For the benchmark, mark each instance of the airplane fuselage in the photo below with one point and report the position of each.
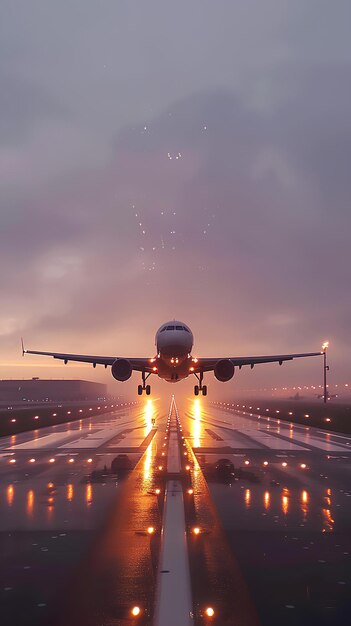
(174, 342)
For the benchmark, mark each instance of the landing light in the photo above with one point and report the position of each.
(136, 610)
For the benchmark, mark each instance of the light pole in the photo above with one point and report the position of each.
(325, 346)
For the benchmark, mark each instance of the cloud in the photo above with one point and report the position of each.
(197, 183)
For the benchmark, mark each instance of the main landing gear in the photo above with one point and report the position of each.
(200, 388)
(144, 386)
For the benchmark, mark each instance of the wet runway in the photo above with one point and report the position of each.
(286, 513)
(55, 496)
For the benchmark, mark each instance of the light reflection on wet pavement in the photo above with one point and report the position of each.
(73, 533)
(55, 501)
(286, 510)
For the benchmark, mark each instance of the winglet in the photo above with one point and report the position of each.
(23, 350)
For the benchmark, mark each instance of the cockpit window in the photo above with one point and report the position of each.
(187, 329)
(162, 329)
(179, 327)
(169, 327)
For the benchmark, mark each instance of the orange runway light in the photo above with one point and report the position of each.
(89, 460)
(52, 460)
(187, 467)
(136, 610)
(284, 464)
(265, 462)
(12, 460)
(196, 530)
(150, 530)
(160, 468)
(303, 465)
(157, 492)
(31, 460)
(209, 611)
(71, 461)
(190, 491)
(247, 462)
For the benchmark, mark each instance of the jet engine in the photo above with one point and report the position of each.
(224, 370)
(121, 369)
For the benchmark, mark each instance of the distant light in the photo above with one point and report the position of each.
(247, 462)
(89, 460)
(52, 460)
(160, 468)
(13, 420)
(31, 460)
(136, 610)
(325, 345)
(209, 611)
(157, 491)
(36, 417)
(150, 530)
(303, 465)
(12, 460)
(290, 413)
(196, 530)
(71, 461)
(284, 464)
(190, 491)
(265, 462)
(54, 414)
(68, 412)
(327, 419)
(306, 415)
(187, 467)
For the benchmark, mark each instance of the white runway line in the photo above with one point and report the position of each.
(173, 596)
(275, 443)
(173, 592)
(48, 441)
(100, 437)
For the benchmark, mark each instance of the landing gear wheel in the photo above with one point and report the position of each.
(204, 390)
(148, 390)
(140, 390)
(196, 390)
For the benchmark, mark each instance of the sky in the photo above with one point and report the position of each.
(185, 160)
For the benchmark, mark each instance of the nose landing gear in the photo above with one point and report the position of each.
(144, 386)
(200, 388)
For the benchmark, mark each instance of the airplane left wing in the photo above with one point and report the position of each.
(138, 365)
(207, 365)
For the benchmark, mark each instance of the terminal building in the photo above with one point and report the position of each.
(41, 390)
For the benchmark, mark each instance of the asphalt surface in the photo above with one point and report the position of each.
(56, 493)
(285, 510)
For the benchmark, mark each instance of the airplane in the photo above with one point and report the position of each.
(173, 360)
